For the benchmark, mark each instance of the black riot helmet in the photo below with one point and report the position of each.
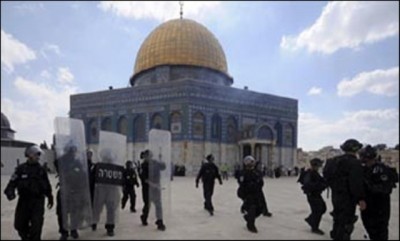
(128, 163)
(368, 152)
(316, 162)
(351, 145)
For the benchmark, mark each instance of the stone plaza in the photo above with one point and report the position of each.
(188, 219)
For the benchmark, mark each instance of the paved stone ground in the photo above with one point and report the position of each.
(188, 219)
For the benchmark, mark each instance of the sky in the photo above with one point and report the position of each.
(340, 60)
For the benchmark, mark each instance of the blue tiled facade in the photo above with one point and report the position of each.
(193, 110)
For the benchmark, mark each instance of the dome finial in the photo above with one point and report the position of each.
(181, 4)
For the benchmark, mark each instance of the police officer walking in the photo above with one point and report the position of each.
(345, 177)
(130, 181)
(313, 185)
(208, 173)
(151, 188)
(379, 182)
(32, 182)
(250, 191)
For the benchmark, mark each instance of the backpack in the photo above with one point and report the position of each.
(330, 170)
(301, 177)
(304, 180)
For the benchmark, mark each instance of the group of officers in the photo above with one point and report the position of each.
(31, 181)
(355, 178)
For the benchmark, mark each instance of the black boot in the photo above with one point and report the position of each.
(251, 227)
(94, 227)
(64, 236)
(144, 221)
(110, 229)
(74, 234)
(160, 225)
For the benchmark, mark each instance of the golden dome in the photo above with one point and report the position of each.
(181, 42)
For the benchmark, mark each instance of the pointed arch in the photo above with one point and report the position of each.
(122, 125)
(176, 122)
(231, 129)
(156, 121)
(106, 124)
(264, 132)
(198, 130)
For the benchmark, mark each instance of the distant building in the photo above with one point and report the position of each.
(12, 151)
(389, 156)
(181, 83)
(7, 135)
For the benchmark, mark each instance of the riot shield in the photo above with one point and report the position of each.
(70, 146)
(109, 176)
(160, 174)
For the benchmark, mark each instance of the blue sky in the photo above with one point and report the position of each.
(339, 59)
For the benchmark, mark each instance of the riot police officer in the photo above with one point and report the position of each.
(32, 182)
(250, 191)
(313, 185)
(208, 173)
(345, 177)
(130, 181)
(379, 182)
(72, 197)
(151, 188)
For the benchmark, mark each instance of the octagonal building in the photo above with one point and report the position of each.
(181, 83)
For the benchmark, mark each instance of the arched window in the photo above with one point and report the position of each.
(93, 132)
(216, 127)
(176, 122)
(231, 126)
(198, 125)
(139, 128)
(288, 135)
(122, 126)
(156, 121)
(265, 133)
(106, 124)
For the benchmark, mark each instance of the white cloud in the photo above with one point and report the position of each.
(347, 25)
(29, 7)
(64, 75)
(368, 126)
(379, 82)
(50, 48)
(32, 116)
(158, 10)
(314, 91)
(14, 52)
(45, 74)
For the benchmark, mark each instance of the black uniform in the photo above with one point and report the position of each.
(347, 190)
(90, 167)
(379, 182)
(265, 210)
(130, 180)
(250, 191)
(73, 177)
(208, 173)
(32, 182)
(313, 185)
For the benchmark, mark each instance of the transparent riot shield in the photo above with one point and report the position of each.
(160, 174)
(108, 177)
(74, 196)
